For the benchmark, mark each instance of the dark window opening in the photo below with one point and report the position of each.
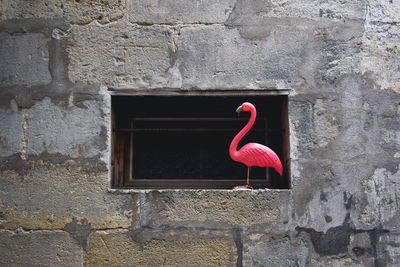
(183, 141)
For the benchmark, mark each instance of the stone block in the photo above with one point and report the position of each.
(218, 57)
(204, 11)
(362, 249)
(326, 125)
(120, 55)
(214, 208)
(24, 59)
(278, 53)
(167, 248)
(41, 195)
(10, 130)
(388, 250)
(79, 12)
(381, 55)
(378, 200)
(383, 11)
(340, 52)
(333, 10)
(263, 250)
(336, 262)
(70, 131)
(301, 128)
(39, 248)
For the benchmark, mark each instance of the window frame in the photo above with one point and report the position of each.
(121, 174)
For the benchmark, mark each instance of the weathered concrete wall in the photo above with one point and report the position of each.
(339, 59)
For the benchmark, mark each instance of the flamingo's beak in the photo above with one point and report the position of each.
(239, 109)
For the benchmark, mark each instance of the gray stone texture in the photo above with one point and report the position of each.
(334, 10)
(166, 248)
(121, 55)
(24, 59)
(262, 55)
(77, 12)
(339, 60)
(381, 57)
(72, 131)
(10, 130)
(388, 250)
(39, 248)
(343, 169)
(362, 249)
(220, 208)
(382, 191)
(261, 250)
(41, 195)
(382, 11)
(219, 57)
(205, 11)
(336, 262)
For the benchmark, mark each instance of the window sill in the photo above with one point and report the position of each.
(133, 190)
(212, 208)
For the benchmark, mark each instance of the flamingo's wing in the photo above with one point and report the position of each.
(254, 154)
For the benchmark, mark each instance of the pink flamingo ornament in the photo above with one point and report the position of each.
(252, 154)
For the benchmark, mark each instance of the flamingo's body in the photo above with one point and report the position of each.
(253, 154)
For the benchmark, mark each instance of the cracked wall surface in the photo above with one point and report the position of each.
(340, 61)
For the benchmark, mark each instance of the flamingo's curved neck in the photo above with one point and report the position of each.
(233, 147)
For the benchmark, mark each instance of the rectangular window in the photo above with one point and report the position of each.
(183, 141)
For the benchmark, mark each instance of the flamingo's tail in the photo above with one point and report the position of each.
(277, 165)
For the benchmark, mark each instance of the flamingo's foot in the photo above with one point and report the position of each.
(243, 187)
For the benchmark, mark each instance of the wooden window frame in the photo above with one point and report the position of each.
(121, 152)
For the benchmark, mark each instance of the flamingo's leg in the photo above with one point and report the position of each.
(248, 176)
(247, 186)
